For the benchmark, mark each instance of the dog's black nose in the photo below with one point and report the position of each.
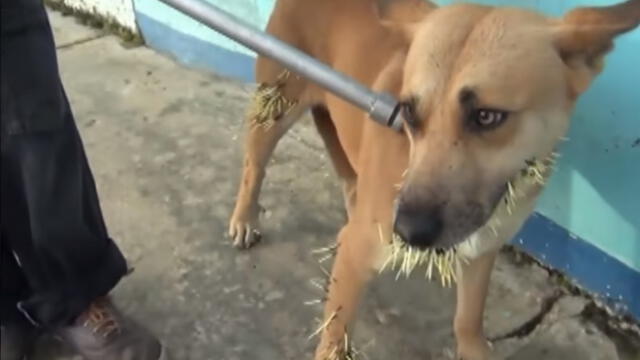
(418, 226)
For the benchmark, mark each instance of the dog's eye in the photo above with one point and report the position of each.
(488, 118)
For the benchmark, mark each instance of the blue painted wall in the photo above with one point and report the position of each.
(588, 221)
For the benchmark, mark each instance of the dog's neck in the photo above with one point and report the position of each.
(514, 208)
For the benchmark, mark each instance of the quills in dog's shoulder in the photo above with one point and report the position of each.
(269, 104)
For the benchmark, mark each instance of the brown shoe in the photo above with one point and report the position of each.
(16, 341)
(103, 333)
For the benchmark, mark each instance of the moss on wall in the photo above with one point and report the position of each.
(98, 21)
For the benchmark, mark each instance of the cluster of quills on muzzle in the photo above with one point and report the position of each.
(405, 259)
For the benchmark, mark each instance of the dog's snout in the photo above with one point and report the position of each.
(418, 226)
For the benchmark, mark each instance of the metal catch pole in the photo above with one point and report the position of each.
(381, 106)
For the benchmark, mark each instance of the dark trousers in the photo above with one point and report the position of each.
(56, 255)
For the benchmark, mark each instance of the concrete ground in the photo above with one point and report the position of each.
(164, 142)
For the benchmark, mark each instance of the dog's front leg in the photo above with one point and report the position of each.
(351, 272)
(259, 145)
(473, 284)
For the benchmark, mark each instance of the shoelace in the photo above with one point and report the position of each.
(100, 319)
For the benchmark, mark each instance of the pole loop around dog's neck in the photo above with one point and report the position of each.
(385, 110)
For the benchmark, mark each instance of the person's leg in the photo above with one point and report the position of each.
(52, 223)
(16, 333)
(50, 212)
(13, 285)
(22, 26)
(53, 226)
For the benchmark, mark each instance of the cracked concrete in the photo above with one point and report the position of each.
(165, 146)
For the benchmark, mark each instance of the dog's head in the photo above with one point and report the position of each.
(484, 91)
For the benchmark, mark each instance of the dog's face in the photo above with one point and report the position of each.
(484, 91)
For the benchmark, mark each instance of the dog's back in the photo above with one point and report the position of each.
(330, 29)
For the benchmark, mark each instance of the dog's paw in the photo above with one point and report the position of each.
(244, 233)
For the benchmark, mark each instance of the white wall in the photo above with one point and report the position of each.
(119, 10)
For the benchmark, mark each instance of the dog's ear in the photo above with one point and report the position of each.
(585, 35)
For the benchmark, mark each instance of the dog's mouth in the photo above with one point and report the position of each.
(405, 258)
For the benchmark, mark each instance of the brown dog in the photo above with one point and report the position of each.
(485, 90)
